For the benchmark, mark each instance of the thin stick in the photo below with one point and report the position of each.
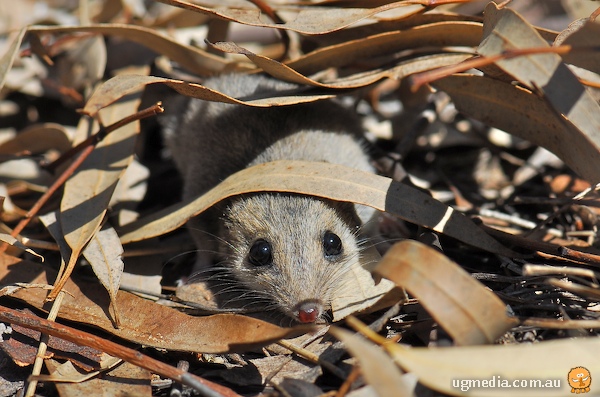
(39, 357)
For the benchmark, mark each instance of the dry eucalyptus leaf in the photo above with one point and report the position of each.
(305, 19)
(22, 347)
(142, 321)
(361, 79)
(192, 58)
(119, 86)
(38, 139)
(435, 35)
(360, 290)
(8, 58)
(377, 367)
(585, 42)
(332, 181)
(7, 238)
(465, 308)
(523, 114)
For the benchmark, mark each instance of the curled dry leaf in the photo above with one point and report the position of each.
(362, 79)
(7, 238)
(119, 86)
(144, 322)
(465, 308)
(316, 178)
(441, 34)
(23, 352)
(306, 19)
(192, 58)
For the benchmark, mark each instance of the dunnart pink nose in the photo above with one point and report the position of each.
(308, 311)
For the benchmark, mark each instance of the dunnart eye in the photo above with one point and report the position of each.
(261, 253)
(332, 244)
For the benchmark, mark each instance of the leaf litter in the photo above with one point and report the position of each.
(505, 257)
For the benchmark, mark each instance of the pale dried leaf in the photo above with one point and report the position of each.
(49, 220)
(7, 238)
(306, 19)
(360, 289)
(362, 79)
(124, 380)
(69, 373)
(543, 361)
(440, 34)
(38, 139)
(6, 61)
(465, 308)
(585, 41)
(192, 58)
(104, 253)
(119, 86)
(377, 367)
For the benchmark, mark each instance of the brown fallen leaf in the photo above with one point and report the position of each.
(465, 308)
(326, 180)
(142, 321)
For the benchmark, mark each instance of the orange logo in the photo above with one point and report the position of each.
(580, 380)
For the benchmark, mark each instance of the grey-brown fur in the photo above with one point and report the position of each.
(209, 141)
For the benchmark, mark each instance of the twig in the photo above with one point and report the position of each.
(312, 357)
(206, 387)
(39, 357)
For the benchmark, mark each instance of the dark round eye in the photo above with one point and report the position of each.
(332, 244)
(260, 253)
